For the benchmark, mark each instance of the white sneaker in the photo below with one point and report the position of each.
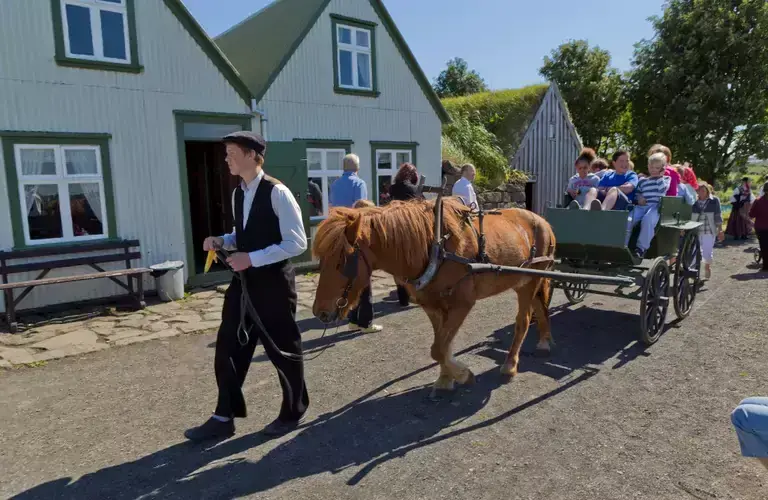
(373, 329)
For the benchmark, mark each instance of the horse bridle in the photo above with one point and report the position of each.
(349, 268)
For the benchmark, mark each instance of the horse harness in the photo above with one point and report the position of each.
(482, 256)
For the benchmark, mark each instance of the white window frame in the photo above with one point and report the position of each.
(391, 172)
(325, 173)
(94, 7)
(354, 49)
(62, 180)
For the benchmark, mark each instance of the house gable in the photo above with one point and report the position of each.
(261, 66)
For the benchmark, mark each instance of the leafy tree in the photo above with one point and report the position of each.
(699, 86)
(457, 80)
(591, 88)
(467, 140)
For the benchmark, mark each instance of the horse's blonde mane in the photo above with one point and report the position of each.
(405, 230)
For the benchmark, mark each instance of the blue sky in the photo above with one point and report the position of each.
(504, 40)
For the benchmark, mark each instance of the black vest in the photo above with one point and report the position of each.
(263, 228)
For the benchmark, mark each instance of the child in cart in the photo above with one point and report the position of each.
(648, 196)
(583, 186)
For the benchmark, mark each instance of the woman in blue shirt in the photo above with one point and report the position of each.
(616, 190)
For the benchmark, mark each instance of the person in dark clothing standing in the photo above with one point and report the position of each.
(268, 232)
(405, 188)
(759, 212)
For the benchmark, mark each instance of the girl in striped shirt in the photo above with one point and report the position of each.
(648, 196)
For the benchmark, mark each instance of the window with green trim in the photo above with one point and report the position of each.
(354, 47)
(389, 158)
(95, 32)
(62, 191)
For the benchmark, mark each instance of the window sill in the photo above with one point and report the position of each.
(70, 243)
(356, 92)
(99, 65)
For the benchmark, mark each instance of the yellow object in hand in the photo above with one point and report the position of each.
(210, 260)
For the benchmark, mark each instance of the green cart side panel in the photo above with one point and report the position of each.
(590, 235)
(600, 236)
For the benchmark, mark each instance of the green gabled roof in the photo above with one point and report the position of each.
(261, 45)
(209, 47)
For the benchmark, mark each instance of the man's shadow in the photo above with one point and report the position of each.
(372, 430)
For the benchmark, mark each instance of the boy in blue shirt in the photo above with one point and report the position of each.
(617, 187)
(650, 190)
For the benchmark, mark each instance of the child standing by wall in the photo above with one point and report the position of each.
(707, 211)
(648, 196)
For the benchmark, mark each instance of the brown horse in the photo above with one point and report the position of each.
(352, 243)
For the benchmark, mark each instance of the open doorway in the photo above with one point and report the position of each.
(210, 202)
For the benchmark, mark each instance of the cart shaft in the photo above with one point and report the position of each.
(594, 279)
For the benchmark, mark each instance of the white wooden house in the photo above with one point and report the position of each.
(118, 103)
(331, 77)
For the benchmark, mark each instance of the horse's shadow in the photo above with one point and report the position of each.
(583, 338)
(372, 430)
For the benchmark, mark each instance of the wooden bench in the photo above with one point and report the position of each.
(124, 254)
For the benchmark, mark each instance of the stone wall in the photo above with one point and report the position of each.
(510, 195)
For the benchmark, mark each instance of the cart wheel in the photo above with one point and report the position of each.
(757, 256)
(687, 274)
(655, 302)
(575, 292)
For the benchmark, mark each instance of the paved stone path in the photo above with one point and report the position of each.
(200, 312)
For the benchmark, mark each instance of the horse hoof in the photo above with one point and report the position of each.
(509, 370)
(471, 379)
(542, 353)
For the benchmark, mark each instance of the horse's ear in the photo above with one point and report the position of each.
(354, 228)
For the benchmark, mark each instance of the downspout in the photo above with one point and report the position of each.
(262, 118)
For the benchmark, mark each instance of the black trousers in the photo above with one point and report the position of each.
(273, 294)
(402, 295)
(762, 238)
(362, 315)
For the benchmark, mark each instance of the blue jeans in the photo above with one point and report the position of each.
(750, 419)
(647, 216)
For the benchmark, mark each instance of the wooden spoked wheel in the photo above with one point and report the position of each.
(575, 292)
(654, 302)
(687, 275)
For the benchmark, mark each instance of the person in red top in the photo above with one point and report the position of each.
(674, 177)
(759, 212)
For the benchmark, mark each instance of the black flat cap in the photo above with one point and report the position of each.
(248, 139)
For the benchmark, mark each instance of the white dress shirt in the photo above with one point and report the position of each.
(294, 241)
(464, 189)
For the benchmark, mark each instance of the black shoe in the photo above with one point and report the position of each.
(281, 427)
(212, 429)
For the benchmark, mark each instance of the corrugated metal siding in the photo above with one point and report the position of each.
(302, 103)
(137, 110)
(550, 160)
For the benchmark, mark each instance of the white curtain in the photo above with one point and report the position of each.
(83, 162)
(36, 162)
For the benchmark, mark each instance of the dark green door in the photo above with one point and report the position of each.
(287, 162)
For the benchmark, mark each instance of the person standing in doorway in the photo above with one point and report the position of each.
(349, 188)
(405, 188)
(350, 191)
(268, 232)
(463, 187)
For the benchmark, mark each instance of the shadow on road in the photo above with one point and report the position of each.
(759, 275)
(583, 337)
(368, 432)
